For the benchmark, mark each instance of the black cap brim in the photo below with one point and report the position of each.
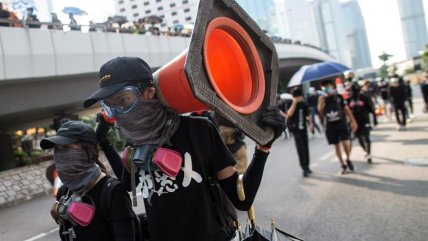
(103, 93)
(50, 142)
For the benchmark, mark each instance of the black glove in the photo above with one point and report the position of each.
(102, 128)
(273, 118)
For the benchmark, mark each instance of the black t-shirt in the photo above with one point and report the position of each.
(181, 208)
(333, 110)
(398, 94)
(313, 101)
(297, 121)
(99, 229)
(384, 90)
(361, 107)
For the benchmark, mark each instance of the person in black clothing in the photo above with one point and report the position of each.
(283, 105)
(4, 15)
(398, 94)
(298, 115)
(424, 90)
(362, 106)
(384, 94)
(84, 178)
(179, 205)
(313, 104)
(32, 21)
(333, 109)
(409, 97)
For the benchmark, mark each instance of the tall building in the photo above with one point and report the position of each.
(298, 21)
(172, 12)
(331, 28)
(413, 25)
(263, 12)
(358, 52)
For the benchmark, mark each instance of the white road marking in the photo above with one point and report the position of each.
(38, 236)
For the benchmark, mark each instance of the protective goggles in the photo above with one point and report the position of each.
(122, 101)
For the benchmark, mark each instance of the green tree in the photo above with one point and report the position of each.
(384, 68)
(424, 56)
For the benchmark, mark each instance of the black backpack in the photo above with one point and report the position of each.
(140, 220)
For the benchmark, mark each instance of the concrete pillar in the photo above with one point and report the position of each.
(7, 158)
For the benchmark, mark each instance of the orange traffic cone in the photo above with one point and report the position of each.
(232, 64)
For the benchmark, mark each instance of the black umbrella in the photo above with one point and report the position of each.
(254, 233)
(119, 19)
(152, 19)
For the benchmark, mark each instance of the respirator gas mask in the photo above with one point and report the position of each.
(153, 158)
(73, 209)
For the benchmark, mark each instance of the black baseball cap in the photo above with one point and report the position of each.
(70, 132)
(118, 73)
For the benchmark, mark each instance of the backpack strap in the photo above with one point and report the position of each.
(223, 206)
(107, 195)
(106, 204)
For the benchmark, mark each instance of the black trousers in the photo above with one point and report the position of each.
(302, 146)
(400, 108)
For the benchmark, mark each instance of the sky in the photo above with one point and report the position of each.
(381, 17)
(383, 28)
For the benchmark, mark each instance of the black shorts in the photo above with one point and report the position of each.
(336, 134)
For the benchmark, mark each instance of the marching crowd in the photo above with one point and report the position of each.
(348, 113)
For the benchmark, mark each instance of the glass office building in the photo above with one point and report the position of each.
(414, 26)
(358, 52)
(263, 12)
(331, 28)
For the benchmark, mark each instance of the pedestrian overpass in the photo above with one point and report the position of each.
(47, 73)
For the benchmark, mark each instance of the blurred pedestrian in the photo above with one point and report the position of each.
(424, 90)
(27, 143)
(32, 21)
(56, 23)
(4, 16)
(73, 23)
(398, 95)
(178, 200)
(298, 116)
(409, 93)
(384, 94)
(234, 140)
(85, 184)
(15, 21)
(333, 109)
(361, 107)
(109, 25)
(313, 104)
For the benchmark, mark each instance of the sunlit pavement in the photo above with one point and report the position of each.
(386, 200)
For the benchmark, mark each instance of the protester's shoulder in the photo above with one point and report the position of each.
(196, 122)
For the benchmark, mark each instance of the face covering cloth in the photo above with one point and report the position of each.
(75, 169)
(149, 123)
